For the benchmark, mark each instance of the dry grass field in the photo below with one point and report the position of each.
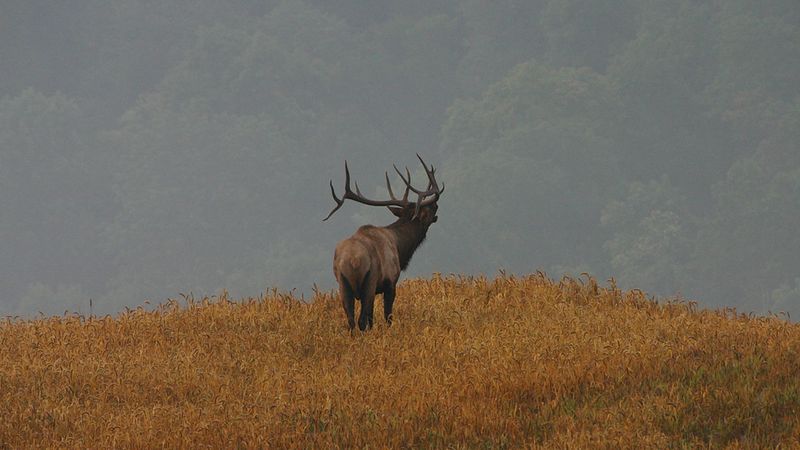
(469, 363)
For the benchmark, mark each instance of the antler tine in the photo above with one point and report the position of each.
(333, 193)
(423, 163)
(404, 200)
(408, 185)
(346, 178)
(430, 172)
(389, 186)
(339, 203)
(406, 179)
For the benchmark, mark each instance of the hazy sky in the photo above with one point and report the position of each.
(153, 149)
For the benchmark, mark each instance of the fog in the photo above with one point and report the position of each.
(150, 150)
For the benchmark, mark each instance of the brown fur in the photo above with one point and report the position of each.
(370, 261)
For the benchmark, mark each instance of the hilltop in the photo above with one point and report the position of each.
(469, 362)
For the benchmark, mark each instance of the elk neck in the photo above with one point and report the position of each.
(408, 235)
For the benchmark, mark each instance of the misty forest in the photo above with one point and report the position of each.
(150, 150)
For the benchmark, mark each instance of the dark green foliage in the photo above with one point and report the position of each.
(535, 142)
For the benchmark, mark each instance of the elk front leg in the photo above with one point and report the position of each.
(348, 302)
(388, 301)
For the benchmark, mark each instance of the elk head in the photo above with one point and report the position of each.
(370, 261)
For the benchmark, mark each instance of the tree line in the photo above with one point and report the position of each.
(152, 149)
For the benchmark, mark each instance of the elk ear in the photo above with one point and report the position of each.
(398, 212)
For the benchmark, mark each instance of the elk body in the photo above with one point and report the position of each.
(370, 261)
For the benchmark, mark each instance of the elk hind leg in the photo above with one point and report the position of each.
(388, 301)
(348, 302)
(367, 305)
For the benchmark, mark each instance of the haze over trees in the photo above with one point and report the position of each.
(151, 149)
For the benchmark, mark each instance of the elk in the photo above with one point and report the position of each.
(370, 261)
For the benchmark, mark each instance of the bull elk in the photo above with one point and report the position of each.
(370, 261)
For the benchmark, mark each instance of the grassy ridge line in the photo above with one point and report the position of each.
(469, 362)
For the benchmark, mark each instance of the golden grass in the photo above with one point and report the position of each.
(469, 362)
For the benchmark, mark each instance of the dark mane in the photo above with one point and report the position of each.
(410, 235)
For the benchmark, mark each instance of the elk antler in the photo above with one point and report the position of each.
(358, 197)
(433, 191)
(426, 197)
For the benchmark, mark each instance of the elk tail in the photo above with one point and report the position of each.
(356, 280)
